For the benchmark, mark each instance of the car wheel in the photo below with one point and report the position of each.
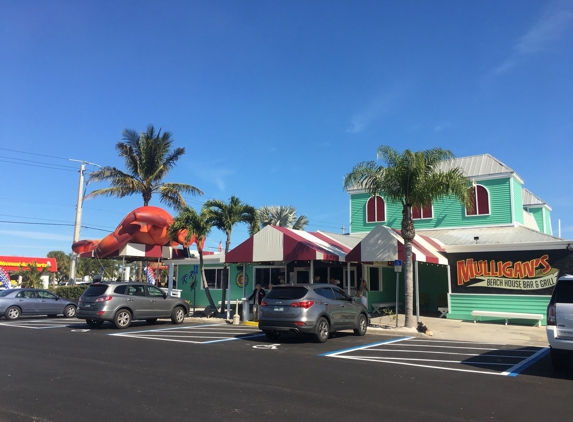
(70, 311)
(12, 313)
(322, 330)
(122, 319)
(272, 335)
(178, 315)
(94, 323)
(362, 325)
(560, 360)
(151, 321)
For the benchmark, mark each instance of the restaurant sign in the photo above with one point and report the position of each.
(507, 272)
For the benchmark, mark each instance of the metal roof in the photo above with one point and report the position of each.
(488, 235)
(529, 199)
(479, 166)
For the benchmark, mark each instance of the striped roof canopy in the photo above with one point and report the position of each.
(386, 244)
(281, 244)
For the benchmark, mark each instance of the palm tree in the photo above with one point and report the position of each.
(198, 225)
(32, 275)
(62, 262)
(148, 158)
(224, 217)
(282, 216)
(414, 180)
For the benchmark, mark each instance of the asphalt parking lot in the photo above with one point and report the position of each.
(445, 355)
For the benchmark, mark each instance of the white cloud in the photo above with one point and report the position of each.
(538, 39)
(442, 126)
(216, 176)
(37, 235)
(377, 108)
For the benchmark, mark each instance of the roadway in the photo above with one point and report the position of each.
(59, 370)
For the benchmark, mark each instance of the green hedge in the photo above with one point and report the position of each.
(70, 292)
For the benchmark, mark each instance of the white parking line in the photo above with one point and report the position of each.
(40, 324)
(378, 353)
(212, 333)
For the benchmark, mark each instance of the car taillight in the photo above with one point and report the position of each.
(299, 323)
(104, 299)
(551, 320)
(304, 304)
(263, 303)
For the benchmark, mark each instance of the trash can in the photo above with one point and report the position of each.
(246, 310)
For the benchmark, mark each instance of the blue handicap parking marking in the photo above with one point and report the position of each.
(196, 334)
(483, 358)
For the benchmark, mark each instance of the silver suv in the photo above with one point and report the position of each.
(560, 324)
(121, 302)
(317, 309)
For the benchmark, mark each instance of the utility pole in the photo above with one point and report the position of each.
(78, 223)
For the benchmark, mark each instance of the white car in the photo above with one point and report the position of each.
(560, 324)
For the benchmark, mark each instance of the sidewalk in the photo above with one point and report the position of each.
(453, 329)
(442, 329)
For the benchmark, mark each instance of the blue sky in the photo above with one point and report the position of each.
(274, 101)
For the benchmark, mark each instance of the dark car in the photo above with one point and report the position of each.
(16, 302)
(121, 303)
(317, 309)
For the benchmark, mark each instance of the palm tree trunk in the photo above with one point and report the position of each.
(408, 285)
(408, 233)
(225, 283)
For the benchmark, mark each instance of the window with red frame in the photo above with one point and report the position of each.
(375, 210)
(419, 213)
(479, 197)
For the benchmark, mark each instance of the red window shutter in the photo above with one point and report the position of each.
(473, 209)
(370, 211)
(380, 211)
(427, 211)
(483, 200)
(416, 213)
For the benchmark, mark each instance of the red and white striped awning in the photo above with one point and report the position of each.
(274, 244)
(386, 244)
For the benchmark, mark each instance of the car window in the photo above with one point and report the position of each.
(26, 294)
(5, 292)
(136, 290)
(46, 295)
(120, 290)
(564, 291)
(340, 295)
(287, 293)
(95, 290)
(325, 292)
(154, 291)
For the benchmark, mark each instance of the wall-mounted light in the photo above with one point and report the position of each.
(476, 238)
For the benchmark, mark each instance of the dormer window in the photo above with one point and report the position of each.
(424, 212)
(375, 210)
(479, 197)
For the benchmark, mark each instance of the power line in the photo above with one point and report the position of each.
(34, 153)
(41, 165)
(53, 224)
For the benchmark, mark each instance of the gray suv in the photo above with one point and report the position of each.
(121, 303)
(560, 324)
(317, 309)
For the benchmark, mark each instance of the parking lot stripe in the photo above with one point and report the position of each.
(444, 353)
(366, 346)
(235, 338)
(421, 366)
(515, 370)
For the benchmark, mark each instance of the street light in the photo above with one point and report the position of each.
(78, 223)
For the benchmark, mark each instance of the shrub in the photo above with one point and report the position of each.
(70, 292)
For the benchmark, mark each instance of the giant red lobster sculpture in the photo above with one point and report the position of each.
(147, 225)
